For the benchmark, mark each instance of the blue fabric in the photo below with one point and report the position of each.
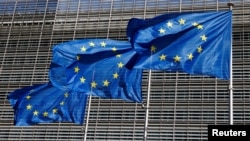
(196, 43)
(44, 103)
(102, 70)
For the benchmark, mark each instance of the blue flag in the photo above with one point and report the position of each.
(196, 43)
(44, 103)
(96, 67)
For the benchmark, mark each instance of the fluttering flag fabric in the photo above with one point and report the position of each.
(44, 103)
(195, 43)
(96, 67)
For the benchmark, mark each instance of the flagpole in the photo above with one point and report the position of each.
(147, 106)
(89, 105)
(89, 99)
(90, 96)
(231, 76)
(148, 90)
(87, 120)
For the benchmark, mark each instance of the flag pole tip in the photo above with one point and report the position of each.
(230, 4)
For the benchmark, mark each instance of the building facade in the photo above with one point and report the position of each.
(181, 105)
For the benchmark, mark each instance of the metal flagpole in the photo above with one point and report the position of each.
(148, 90)
(231, 75)
(89, 100)
(90, 96)
(89, 105)
(147, 106)
(87, 120)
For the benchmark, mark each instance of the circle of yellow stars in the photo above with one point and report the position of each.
(102, 44)
(45, 114)
(181, 22)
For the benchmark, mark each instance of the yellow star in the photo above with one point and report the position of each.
(54, 111)
(35, 113)
(106, 83)
(92, 44)
(82, 79)
(115, 75)
(170, 24)
(182, 21)
(28, 107)
(76, 69)
(190, 56)
(28, 97)
(62, 103)
(120, 65)
(66, 95)
(162, 31)
(203, 38)
(77, 57)
(163, 57)
(177, 58)
(83, 49)
(114, 49)
(195, 24)
(93, 84)
(153, 48)
(103, 44)
(118, 55)
(200, 26)
(45, 114)
(199, 49)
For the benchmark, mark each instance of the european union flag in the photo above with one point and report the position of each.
(96, 67)
(44, 103)
(196, 43)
